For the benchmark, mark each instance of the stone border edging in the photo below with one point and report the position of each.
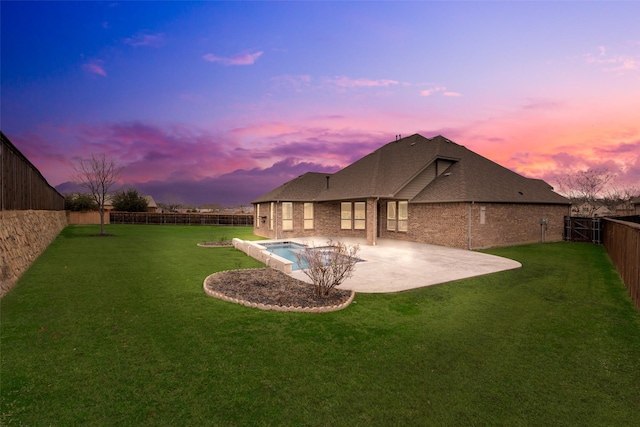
(282, 308)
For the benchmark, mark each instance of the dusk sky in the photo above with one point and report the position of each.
(222, 101)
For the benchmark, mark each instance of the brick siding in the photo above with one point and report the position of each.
(445, 224)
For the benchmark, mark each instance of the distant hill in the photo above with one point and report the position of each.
(69, 187)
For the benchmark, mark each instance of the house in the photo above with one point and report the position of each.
(635, 202)
(209, 207)
(587, 210)
(151, 203)
(417, 189)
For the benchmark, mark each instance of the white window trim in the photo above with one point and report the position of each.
(287, 216)
(391, 215)
(308, 216)
(271, 216)
(403, 220)
(396, 221)
(346, 222)
(359, 223)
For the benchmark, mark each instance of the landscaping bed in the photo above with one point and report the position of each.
(270, 289)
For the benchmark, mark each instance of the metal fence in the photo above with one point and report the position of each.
(181, 218)
(22, 186)
(621, 239)
(581, 229)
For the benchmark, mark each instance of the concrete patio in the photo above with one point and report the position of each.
(395, 266)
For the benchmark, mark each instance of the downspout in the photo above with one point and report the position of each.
(276, 219)
(469, 226)
(375, 221)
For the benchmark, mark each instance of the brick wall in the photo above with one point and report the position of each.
(445, 224)
(514, 224)
(504, 224)
(326, 222)
(24, 235)
(442, 224)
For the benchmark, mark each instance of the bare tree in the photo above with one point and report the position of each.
(172, 204)
(328, 266)
(584, 187)
(620, 198)
(97, 175)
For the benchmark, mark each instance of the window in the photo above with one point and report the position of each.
(345, 215)
(308, 216)
(403, 216)
(359, 215)
(271, 211)
(398, 216)
(287, 216)
(353, 215)
(391, 216)
(257, 220)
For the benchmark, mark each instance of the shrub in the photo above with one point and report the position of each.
(328, 266)
(129, 201)
(79, 202)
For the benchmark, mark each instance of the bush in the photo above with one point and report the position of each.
(328, 266)
(79, 202)
(129, 200)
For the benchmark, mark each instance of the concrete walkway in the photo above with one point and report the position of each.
(394, 266)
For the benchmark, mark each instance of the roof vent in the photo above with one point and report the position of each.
(447, 174)
(521, 193)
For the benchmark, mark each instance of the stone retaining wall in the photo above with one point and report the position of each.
(24, 235)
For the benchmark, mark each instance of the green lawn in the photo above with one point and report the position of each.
(118, 331)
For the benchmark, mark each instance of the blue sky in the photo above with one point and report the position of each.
(222, 101)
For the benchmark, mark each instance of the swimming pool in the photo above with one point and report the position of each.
(281, 255)
(287, 250)
(290, 251)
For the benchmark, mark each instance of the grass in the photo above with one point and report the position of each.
(118, 331)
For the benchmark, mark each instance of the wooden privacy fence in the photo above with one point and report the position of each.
(580, 229)
(180, 218)
(83, 218)
(22, 186)
(622, 241)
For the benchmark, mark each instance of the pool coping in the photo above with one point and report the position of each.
(262, 254)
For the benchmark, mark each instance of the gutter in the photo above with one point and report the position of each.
(469, 225)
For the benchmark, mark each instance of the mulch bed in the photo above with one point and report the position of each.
(219, 244)
(271, 287)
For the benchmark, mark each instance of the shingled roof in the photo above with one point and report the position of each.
(301, 189)
(411, 162)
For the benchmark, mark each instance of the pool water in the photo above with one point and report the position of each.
(289, 250)
(286, 250)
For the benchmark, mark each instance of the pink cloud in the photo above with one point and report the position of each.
(238, 187)
(151, 152)
(145, 40)
(431, 91)
(617, 62)
(95, 67)
(346, 82)
(439, 89)
(242, 59)
(296, 82)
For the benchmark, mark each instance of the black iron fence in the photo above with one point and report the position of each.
(181, 218)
